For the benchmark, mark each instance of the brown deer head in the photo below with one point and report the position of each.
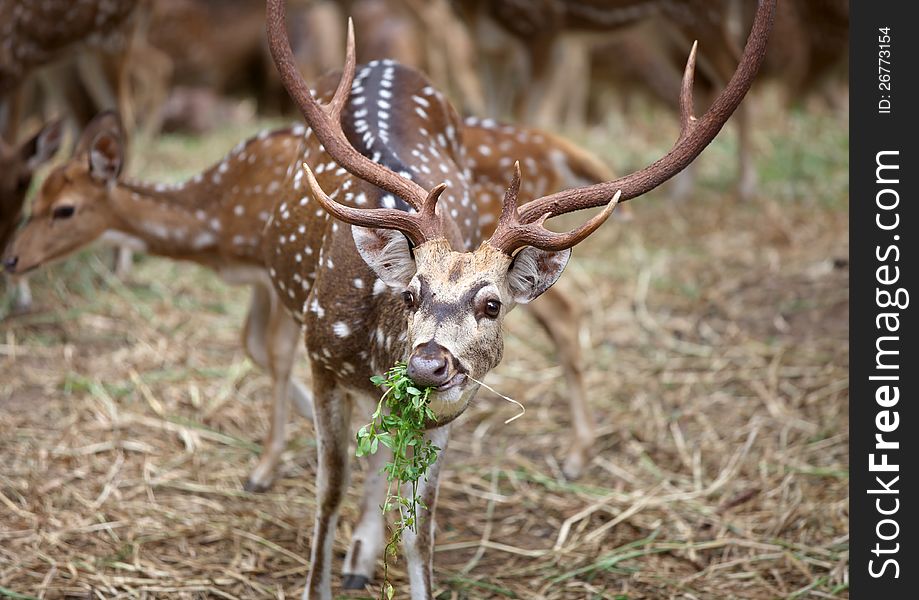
(69, 210)
(455, 301)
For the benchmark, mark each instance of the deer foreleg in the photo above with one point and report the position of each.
(96, 81)
(461, 60)
(684, 183)
(22, 296)
(124, 261)
(747, 180)
(367, 540)
(255, 342)
(577, 83)
(256, 327)
(333, 419)
(559, 316)
(542, 105)
(11, 108)
(419, 544)
(281, 340)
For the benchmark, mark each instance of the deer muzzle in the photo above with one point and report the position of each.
(9, 264)
(432, 365)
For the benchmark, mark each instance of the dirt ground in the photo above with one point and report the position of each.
(716, 353)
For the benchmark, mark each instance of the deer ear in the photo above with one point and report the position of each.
(386, 251)
(107, 121)
(533, 271)
(106, 157)
(102, 143)
(43, 146)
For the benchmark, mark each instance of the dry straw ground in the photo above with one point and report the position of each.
(717, 357)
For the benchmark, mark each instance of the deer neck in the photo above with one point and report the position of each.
(167, 220)
(218, 215)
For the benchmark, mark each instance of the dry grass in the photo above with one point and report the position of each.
(718, 356)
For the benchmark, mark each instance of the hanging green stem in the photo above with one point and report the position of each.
(402, 431)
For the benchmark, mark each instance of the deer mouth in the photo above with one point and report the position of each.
(14, 268)
(458, 379)
(449, 400)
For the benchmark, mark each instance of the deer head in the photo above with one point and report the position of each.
(455, 300)
(17, 166)
(71, 207)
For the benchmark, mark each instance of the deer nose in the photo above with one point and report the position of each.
(429, 365)
(10, 264)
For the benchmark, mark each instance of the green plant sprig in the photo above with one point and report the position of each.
(401, 429)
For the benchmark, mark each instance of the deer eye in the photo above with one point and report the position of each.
(63, 212)
(409, 298)
(492, 309)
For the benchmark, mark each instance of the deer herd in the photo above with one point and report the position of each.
(382, 229)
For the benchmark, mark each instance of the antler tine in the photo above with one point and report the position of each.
(510, 234)
(427, 212)
(509, 207)
(695, 134)
(687, 114)
(418, 228)
(325, 121)
(343, 91)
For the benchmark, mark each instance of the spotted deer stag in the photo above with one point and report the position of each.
(403, 273)
(17, 166)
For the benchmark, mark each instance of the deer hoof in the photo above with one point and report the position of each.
(256, 487)
(747, 186)
(19, 308)
(351, 581)
(574, 465)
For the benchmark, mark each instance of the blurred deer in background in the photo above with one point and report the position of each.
(391, 32)
(811, 47)
(86, 52)
(542, 70)
(217, 50)
(36, 33)
(425, 34)
(550, 49)
(216, 219)
(813, 50)
(17, 166)
(404, 273)
(222, 70)
(69, 52)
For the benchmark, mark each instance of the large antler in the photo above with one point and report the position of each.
(325, 120)
(511, 234)
(695, 135)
